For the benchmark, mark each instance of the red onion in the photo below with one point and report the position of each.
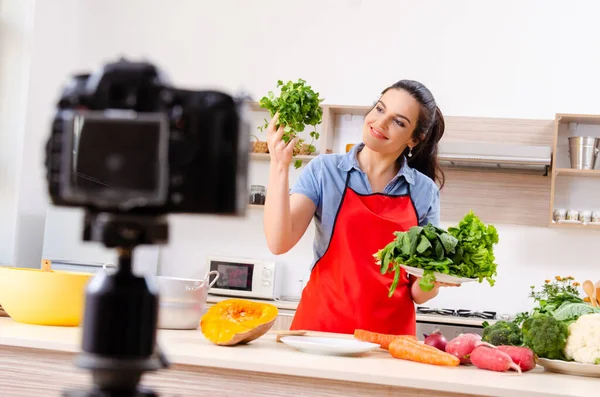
(436, 339)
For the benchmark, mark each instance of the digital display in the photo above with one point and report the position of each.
(116, 154)
(234, 276)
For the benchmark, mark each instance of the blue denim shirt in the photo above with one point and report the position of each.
(323, 181)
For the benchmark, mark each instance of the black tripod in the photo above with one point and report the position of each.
(121, 311)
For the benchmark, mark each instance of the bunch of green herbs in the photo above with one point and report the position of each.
(298, 105)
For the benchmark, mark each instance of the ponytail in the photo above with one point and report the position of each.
(425, 155)
(428, 131)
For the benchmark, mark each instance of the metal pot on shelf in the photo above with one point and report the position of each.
(182, 300)
(584, 152)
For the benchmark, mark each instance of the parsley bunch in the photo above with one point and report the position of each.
(298, 106)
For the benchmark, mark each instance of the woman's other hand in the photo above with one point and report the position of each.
(440, 284)
(281, 152)
(419, 296)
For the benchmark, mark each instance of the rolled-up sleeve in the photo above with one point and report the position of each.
(432, 215)
(309, 183)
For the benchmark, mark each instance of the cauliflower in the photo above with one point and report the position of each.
(583, 343)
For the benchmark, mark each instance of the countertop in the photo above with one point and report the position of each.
(265, 355)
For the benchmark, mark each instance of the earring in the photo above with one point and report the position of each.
(410, 152)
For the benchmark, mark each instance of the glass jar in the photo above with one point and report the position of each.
(258, 194)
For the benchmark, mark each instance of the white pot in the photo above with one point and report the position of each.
(181, 300)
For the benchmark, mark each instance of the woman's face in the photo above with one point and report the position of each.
(388, 128)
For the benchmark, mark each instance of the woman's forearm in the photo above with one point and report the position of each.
(278, 218)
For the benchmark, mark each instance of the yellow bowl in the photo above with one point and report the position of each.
(33, 296)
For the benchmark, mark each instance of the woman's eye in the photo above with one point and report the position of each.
(379, 109)
(400, 123)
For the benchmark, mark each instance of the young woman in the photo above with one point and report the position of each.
(386, 183)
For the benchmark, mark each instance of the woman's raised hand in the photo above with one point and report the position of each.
(281, 152)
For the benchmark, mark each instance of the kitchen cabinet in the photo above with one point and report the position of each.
(574, 189)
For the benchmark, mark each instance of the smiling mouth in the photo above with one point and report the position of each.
(377, 134)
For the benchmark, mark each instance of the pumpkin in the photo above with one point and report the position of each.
(237, 321)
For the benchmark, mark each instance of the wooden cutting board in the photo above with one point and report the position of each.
(281, 333)
(3, 313)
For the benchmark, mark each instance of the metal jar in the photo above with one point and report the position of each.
(583, 152)
(182, 301)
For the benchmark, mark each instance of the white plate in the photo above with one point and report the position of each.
(570, 368)
(329, 346)
(441, 277)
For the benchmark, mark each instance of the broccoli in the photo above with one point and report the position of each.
(546, 336)
(503, 333)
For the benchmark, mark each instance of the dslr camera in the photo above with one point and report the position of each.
(129, 148)
(126, 142)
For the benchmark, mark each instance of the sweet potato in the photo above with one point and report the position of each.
(463, 345)
(492, 359)
(382, 340)
(522, 356)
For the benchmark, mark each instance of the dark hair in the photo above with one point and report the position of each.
(428, 131)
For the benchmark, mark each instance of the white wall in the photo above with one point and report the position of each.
(16, 30)
(496, 58)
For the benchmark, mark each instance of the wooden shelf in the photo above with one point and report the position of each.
(580, 226)
(578, 118)
(576, 172)
(267, 157)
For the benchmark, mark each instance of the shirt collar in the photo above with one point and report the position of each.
(350, 160)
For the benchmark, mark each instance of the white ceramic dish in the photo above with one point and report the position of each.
(329, 346)
(570, 368)
(441, 277)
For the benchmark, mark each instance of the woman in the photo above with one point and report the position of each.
(386, 183)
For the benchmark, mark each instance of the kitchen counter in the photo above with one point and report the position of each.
(42, 357)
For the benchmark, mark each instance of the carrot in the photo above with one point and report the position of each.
(382, 340)
(414, 351)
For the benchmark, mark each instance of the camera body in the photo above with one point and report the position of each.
(125, 142)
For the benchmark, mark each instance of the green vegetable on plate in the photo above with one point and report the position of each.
(462, 251)
(503, 333)
(546, 336)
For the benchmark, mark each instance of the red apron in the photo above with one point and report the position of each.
(346, 291)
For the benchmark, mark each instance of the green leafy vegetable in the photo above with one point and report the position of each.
(464, 252)
(298, 106)
(418, 247)
(546, 336)
(505, 333)
(571, 311)
(476, 241)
